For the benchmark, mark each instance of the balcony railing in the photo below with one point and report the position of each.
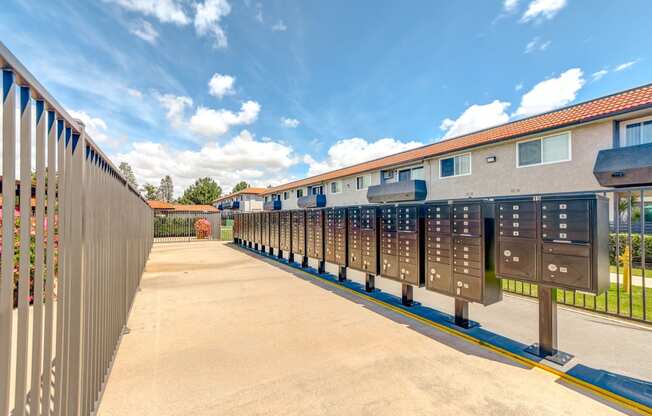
(74, 245)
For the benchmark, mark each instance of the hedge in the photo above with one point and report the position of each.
(636, 247)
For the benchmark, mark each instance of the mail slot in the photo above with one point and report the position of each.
(568, 248)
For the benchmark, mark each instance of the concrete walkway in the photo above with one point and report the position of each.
(216, 331)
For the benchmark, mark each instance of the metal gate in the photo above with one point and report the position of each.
(186, 226)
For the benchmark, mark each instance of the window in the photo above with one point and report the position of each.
(316, 190)
(266, 199)
(363, 182)
(417, 173)
(550, 149)
(285, 195)
(404, 175)
(336, 187)
(410, 174)
(455, 166)
(638, 133)
(299, 193)
(387, 176)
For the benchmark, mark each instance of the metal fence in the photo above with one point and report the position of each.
(74, 245)
(630, 248)
(186, 226)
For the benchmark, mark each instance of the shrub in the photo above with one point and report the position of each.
(635, 250)
(202, 228)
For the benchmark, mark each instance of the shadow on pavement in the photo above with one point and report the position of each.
(630, 388)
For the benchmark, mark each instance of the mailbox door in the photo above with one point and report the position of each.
(517, 258)
(439, 277)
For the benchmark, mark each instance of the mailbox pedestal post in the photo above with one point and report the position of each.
(290, 257)
(462, 313)
(406, 295)
(547, 345)
(341, 276)
(321, 267)
(370, 283)
(304, 262)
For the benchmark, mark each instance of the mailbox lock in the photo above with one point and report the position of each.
(552, 267)
(459, 284)
(507, 253)
(562, 216)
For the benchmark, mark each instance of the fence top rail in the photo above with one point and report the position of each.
(23, 77)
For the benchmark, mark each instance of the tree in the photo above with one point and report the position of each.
(128, 173)
(166, 189)
(239, 187)
(203, 192)
(149, 191)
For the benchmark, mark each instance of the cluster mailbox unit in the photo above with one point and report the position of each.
(401, 246)
(274, 232)
(459, 248)
(298, 232)
(555, 241)
(315, 236)
(336, 239)
(285, 234)
(363, 226)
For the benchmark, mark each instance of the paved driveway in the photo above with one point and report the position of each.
(216, 331)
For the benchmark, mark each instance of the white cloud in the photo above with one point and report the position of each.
(258, 162)
(96, 128)
(259, 12)
(536, 45)
(167, 11)
(144, 30)
(599, 74)
(476, 117)
(134, 93)
(356, 150)
(221, 85)
(290, 122)
(625, 65)
(176, 107)
(510, 5)
(207, 20)
(279, 27)
(552, 93)
(542, 9)
(209, 123)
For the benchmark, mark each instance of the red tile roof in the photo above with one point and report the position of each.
(160, 205)
(611, 105)
(194, 208)
(247, 191)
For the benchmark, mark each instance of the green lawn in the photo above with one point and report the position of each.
(598, 303)
(635, 271)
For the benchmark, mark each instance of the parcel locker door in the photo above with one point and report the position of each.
(467, 287)
(566, 266)
(517, 258)
(389, 266)
(439, 277)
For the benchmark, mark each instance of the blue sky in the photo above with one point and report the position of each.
(270, 91)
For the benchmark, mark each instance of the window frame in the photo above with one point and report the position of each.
(357, 188)
(300, 191)
(541, 138)
(641, 121)
(286, 195)
(469, 154)
(338, 185)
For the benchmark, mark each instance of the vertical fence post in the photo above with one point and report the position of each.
(8, 202)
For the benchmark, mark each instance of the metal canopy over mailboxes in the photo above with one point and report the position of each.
(624, 166)
(555, 240)
(403, 191)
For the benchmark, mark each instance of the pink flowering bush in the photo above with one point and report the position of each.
(202, 228)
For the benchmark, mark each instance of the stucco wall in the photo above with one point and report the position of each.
(504, 178)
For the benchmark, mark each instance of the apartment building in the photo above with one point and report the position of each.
(550, 152)
(247, 200)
